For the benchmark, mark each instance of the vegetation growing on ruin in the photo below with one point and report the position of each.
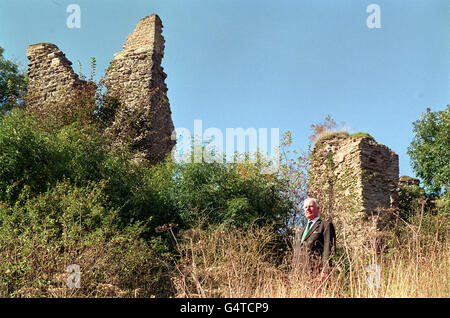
(361, 135)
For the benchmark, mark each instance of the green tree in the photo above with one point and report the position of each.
(430, 150)
(12, 84)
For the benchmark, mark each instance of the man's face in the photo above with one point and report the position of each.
(311, 210)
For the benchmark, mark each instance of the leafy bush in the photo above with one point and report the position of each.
(408, 200)
(25, 156)
(235, 194)
(33, 157)
(68, 197)
(42, 235)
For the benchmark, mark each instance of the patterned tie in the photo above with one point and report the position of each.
(306, 231)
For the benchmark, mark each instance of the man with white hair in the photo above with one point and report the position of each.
(315, 246)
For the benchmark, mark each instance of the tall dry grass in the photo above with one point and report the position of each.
(236, 263)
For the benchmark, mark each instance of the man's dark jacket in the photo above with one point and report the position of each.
(317, 249)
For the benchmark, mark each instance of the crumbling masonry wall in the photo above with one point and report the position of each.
(50, 77)
(355, 180)
(136, 78)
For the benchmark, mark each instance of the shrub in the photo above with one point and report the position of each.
(25, 158)
(235, 194)
(409, 197)
(42, 235)
(33, 157)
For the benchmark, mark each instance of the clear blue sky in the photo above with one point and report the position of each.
(267, 64)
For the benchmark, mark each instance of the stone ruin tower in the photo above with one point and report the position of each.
(355, 180)
(135, 79)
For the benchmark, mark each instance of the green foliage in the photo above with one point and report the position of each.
(79, 154)
(42, 235)
(142, 194)
(428, 219)
(430, 150)
(68, 197)
(234, 194)
(12, 84)
(361, 135)
(65, 195)
(106, 111)
(408, 200)
(331, 135)
(24, 156)
(35, 158)
(31, 156)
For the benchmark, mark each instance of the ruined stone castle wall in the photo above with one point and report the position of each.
(355, 180)
(51, 77)
(359, 166)
(136, 78)
(380, 173)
